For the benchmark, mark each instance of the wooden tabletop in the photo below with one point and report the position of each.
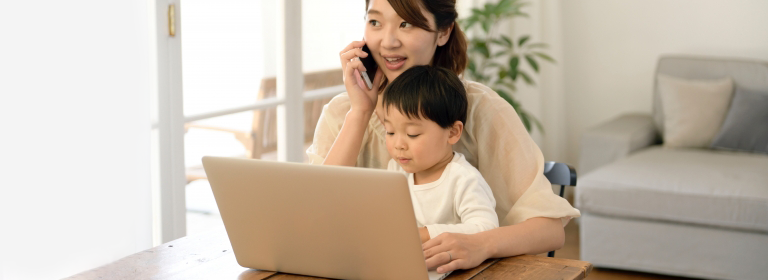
(209, 256)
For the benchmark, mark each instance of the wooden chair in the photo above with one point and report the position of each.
(262, 137)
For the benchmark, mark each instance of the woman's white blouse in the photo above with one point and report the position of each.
(494, 141)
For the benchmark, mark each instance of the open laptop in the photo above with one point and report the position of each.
(327, 221)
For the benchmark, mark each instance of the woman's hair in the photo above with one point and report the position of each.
(428, 92)
(452, 55)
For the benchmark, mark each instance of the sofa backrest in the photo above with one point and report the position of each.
(748, 74)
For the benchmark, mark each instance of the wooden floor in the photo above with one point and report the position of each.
(571, 251)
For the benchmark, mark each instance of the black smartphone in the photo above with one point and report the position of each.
(370, 66)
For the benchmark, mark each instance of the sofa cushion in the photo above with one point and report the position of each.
(696, 186)
(749, 74)
(746, 125)
(694, 110)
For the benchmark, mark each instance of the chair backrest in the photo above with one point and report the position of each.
(559, 173)
(265, 121)
(747, 74)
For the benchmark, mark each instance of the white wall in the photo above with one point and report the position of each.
(75, 81)
(611, 48)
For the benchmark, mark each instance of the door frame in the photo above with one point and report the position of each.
(170, 207)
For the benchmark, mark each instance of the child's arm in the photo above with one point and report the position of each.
(475, 205)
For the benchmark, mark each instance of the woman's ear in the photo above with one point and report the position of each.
(455, 132)
(444, 35)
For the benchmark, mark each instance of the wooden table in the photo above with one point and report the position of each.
(209, 256)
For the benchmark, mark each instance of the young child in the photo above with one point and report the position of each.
(425, 112)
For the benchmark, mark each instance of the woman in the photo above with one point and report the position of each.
(404, 33)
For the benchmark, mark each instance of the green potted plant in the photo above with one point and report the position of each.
(495, 59)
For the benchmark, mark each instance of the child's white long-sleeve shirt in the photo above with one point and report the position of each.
(459, 201)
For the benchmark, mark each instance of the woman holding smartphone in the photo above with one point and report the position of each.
(404, 33)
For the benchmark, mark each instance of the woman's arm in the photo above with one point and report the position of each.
(533, 236)
(346, 147)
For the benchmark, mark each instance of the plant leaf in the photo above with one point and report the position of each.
(498, 42)
(501, 53)
(537, 45)
(489, 9)
(513, 63)
(527, 78)
(506, 6)
(481, 47)
(486, 24)
(522, 40)
(506, 96)
(524, 117)
(469, 22)
(538, 124)
(545, 57)
(514, 9)
(507, 41)
(483, 79)
(532, 62)
(509, 85)
(501, 6)
(502, 74)
(493, 64)
(519, 5)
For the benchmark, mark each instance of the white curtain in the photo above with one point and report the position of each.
(75, 84)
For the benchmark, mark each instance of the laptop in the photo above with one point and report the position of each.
(326, 221)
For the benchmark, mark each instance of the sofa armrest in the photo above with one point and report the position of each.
(615, 139)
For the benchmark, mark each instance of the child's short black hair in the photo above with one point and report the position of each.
(434, 93)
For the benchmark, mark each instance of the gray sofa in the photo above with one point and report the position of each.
(687, 212)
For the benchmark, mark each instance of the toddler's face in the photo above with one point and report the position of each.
(416, 144)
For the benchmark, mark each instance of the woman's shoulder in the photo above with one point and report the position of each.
(341, 101)
(476, 88)
(484, 101)
(478, 92)
(338, 107)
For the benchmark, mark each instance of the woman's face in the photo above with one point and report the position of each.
(396, 45)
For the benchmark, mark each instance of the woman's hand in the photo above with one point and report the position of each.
(361, 98)
(452, 251)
